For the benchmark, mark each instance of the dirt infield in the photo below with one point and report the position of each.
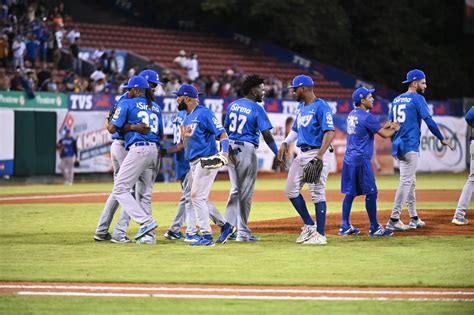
(259, 196)
(235, 292)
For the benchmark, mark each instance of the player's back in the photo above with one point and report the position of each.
(408, 109)
(242, 119)
(180, 161)
(118, 135)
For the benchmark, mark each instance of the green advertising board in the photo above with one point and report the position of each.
(42, 100)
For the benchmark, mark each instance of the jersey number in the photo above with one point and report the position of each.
(398, 112)
(237, 122)
(150, 120)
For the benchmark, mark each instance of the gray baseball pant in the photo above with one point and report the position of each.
(67, 168)
(295, 183)
(141, 162)
(201, 184)
(466, 194)
(242, 177)
(118, 154)
(407, 186)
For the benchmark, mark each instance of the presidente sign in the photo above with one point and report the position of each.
(42, 100)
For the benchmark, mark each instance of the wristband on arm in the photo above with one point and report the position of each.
(292, 136)
(225, 145)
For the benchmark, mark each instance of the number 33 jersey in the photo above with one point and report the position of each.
(135, 111)
(408, 109)
(245, 119)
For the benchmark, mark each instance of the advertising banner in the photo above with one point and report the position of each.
(7, 140)
(42, 100)
(93, 140)
(435, 157)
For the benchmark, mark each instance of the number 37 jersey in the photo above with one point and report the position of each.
(408, 109)
(135, 111)
(245, 119)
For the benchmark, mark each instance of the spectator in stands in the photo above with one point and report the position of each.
(57, 46)
(69, 81)
(132, 71)
(43, 36)
(172, 85)
(180, 58)
(44, 76)
(73, 34)
(32, 79)
(97, 56)
(112, 63)
(32, 46)
(18, 49)
(15, 83)
(97, 81)
(3, 50)
(52, 86)
(192, 66)
(4, 81)
(74, 51)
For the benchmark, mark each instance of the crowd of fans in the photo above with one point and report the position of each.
(35, 36)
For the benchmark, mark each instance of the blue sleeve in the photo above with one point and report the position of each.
(263, 122)
(227, 119)
(470, 115)
(212, 124)
(295, 124)
(120, 117)
(423, 107)
(325, 118)
(434, 128)
(390, 113)
(372, 123)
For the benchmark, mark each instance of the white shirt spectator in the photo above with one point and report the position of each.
(18, 49)
(97, 54)
(192, 66)
(97, 75)
(59, 38)
(72, 35)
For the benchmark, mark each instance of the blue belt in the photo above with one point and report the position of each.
(308, 148)
(243, 143)
(143, 143)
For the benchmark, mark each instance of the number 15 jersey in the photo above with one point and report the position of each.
(408, 109)
(245, 119)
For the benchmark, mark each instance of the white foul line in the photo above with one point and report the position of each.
(65, 196)
(236, 290)
(240, 297)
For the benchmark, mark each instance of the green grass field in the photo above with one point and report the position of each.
(53, 242)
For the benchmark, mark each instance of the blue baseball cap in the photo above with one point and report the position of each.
(414, 75)
(151, 76)
(187, 90)
(361, 93)
(136, 82)
(301, 80)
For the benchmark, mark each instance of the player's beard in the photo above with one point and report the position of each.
(299, 98)
(420, 90)
(182, 106)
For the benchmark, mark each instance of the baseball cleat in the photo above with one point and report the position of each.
(458, 220)
(348, 230)
(416, 224)
(306, 232)
(205, 240)
(251, 238)
(147, 239)
(144, 229)
(398, 225)
(226, 231)
(191, 238)
(232, 237)
(316, 239)
(380, 232)
(121, 240)
(172, 235)
(102, 237)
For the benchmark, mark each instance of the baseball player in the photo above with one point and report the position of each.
(142, 159)
(465, 198)
(314, 130)
(357, 175)
(67, 148)
(199, 131)
(185, 211)
(118, 153)
(409, 109)
(244, 121)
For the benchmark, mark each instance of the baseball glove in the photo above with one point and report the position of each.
(312, 171)
(213, 162)
(110, 114)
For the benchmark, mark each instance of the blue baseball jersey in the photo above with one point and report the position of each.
(361, 127)
(201, 128)
(245, 119)
(408, 109)
(135, 111)
(117, 135)
(180, 162)
(69, 147)
(311, 122)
